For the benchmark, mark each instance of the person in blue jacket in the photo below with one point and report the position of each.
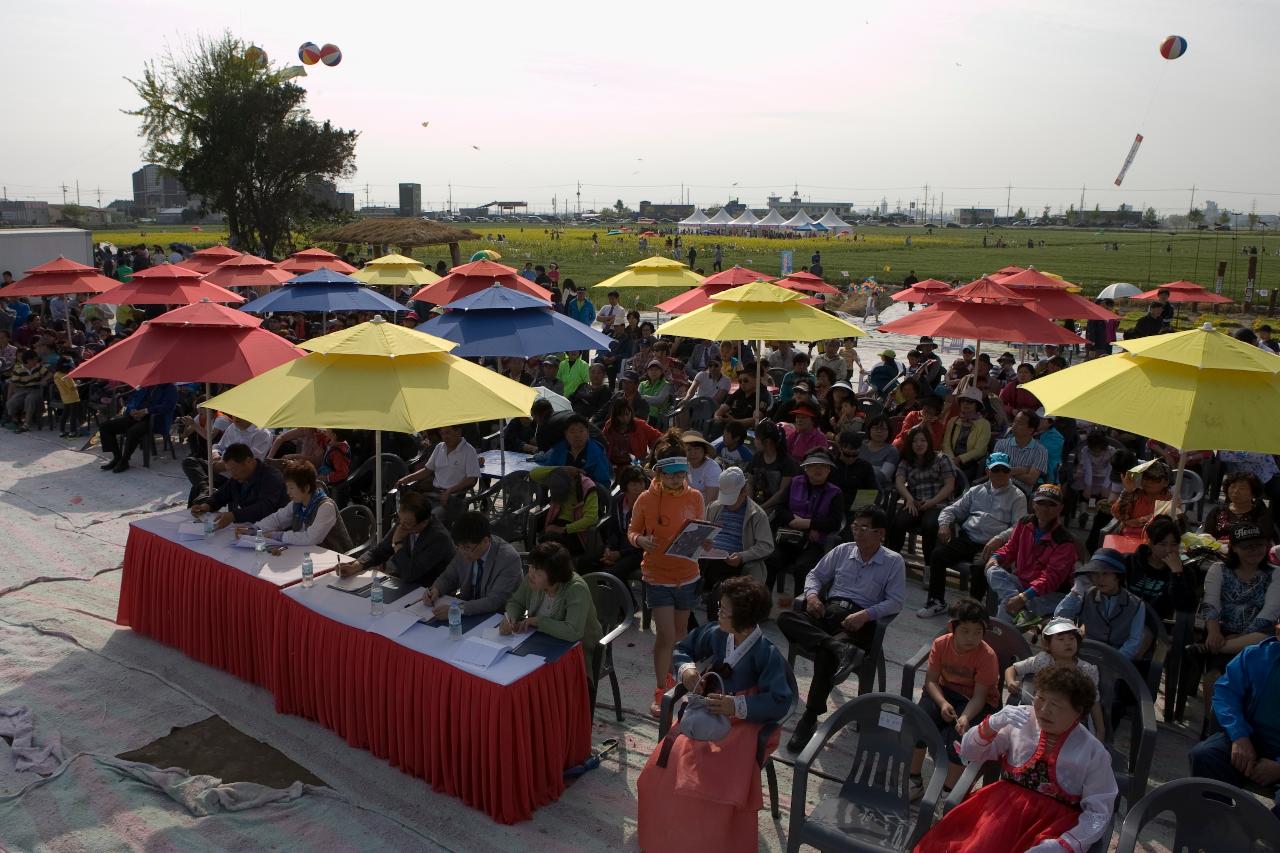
(578, 450)
(1246, 703)
(147, 410)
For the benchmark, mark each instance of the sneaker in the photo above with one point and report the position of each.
(803, 733)
(915, 788)
(932, 608)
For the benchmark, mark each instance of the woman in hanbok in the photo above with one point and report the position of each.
(1056, 791)
(700, 795)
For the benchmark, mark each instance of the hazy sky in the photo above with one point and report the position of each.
(851, 101)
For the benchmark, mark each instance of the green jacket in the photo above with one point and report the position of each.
(572, 617)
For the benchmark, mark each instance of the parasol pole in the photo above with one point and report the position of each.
(377, 478)
(1177, 479)
(759, 358)
(208, 433)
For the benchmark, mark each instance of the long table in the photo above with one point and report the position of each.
(498, 738)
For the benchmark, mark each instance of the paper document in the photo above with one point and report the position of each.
(393, 623)
(1142, 466)
(511, 641)
(190, 530)
(352, 583)
(247, 542)
(477, 652)
(688, 543)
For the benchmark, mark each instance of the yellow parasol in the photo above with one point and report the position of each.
(395, 271)
(653, 272)
(1194, 390)
(377, 376)
(758, 312)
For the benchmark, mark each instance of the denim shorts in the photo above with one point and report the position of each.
(680, 597)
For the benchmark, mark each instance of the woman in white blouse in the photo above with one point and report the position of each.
(1056, 790)
(310, 517)
(704, 471)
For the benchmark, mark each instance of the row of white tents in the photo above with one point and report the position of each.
(800, 222)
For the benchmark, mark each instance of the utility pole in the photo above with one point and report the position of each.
(451, 197)
(77, 192)
(926, 204)
(366, 195)
(942, 207)
(1193, 199)
(579, 211)
(1082, 199)
(64, 193)
(99, 191)
(1008, 194)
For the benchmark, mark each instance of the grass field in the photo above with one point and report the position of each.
(1080, 255)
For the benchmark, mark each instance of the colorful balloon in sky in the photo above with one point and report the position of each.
(309, 53)
(330, 55)
(256, 55)
(1173, 47)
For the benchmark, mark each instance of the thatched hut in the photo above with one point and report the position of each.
(403, 233)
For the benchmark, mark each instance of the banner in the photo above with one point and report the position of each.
(788, 259)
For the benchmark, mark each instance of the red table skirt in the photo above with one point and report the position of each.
(501, 750)
(213, 613)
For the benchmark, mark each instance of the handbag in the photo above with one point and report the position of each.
(789, 536)
(697, 722)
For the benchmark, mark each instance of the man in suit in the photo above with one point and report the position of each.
(252, 491)
(416, 550)
(483, 573)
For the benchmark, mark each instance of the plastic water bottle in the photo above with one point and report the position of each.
(455, 621)
(375, 597)
(208, 528)
(308, 571)
(259, 542)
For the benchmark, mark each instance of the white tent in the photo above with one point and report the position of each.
(801, 218)
(746, 220)
(721, 218)
(693, 221)
(772, 219)
(833, 222)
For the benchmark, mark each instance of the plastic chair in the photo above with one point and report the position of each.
(359, 521)
(1192, 493)
(872, 666)
(612, 601)
(1207, 815)
(1184, 623)
(872, 811)
(669, 700)
(1005, 640)
(161, 425)
(1132, 770)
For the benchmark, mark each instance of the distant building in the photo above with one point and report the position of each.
(975, 215)
(347, 202)
(1211, 212)
(13, 212)
(411, 200)
(674, 212)
(155, 187)
(325, 192)
(377, 212)
(796, 204)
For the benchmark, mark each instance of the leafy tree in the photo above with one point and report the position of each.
(1253, 220)
(1195, 216)
(1044, 214)
(1020, 214)
(1150, 218)
(72, 214)
(239, 135)
(1223, 218)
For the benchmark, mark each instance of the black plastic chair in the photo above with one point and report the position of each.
(1134, 768)
(1004, 639)
(1207, 815)
(872, 811)
(1184, 623)
(669, 700)
(613, 608)
(359, 521)
(873, 666)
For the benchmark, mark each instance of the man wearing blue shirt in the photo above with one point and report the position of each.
(147, 409)
(580, 308)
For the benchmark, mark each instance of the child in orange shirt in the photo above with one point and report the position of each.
(962, 687)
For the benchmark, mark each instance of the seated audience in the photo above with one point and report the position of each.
(704, 471)
(967, 435)
(880, 452)
(741, 405)
(252, 491)
(483, 574)
(804, 437)
(771, 469)
(237, 431)
(1141, 500)
(751, 689)
(731, 448)
(1057, 791)
(25, 383)
(627, 437)
(578, 450)
(744, 537)
(1243, 505)
(851, 473)
(1028, 457)
(928, 417)
(799, 372)
(620, 557)
(925, 481)
(852, 587)
(417, 549)
(146, 409)
(1027, 572)
(1104, 608)
(813, 511)
(1060, 641)
(572, 512)
(961, 688)
(451, 470)
(554, 599)
(311, 516)
(1156, 574)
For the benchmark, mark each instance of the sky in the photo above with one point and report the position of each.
(846, 101)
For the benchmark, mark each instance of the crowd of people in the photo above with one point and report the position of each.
(809, 466)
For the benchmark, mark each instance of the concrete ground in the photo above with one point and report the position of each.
(106, 690)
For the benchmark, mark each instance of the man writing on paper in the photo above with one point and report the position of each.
(416, 550)
(483, 574)
(254, 490)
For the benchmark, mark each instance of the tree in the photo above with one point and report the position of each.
(1020, 214)
(1253, 219)
(1223, 218)
(72, 214)
(239, 135)
(1044, 215)
(1149, 217)
(1195, 216)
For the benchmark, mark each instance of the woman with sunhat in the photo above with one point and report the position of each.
(670, 582)
(813, 510)
(704, 471)
(804, 437)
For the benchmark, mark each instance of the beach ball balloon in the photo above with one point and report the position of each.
(309, 53)
(256, 55)
(1173, 47)
(330, 55)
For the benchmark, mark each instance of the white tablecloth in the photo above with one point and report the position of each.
(491, 463)
(278, 570)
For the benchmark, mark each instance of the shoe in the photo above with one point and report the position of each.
(915, 789)
(851, 657)
(803, 733)
(932, 608)
(120, 467)
(22, 429)
(113, 462)
(655, 710)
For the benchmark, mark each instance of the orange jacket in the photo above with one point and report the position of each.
(662, 516)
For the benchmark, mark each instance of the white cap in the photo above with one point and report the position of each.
(732, 482)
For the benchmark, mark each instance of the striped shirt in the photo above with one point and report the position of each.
(1034, 455)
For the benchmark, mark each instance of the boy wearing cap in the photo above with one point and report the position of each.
(1107, 611)
(744, 535)
(884, 372)
(1027, 571)
(966, 526)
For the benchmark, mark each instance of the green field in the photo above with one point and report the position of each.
(1079, 255)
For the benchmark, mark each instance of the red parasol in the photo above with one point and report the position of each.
(1032, 277)
(735, 276)
(922, 292)
(1057, 303)
(806, 281)
(207, 260)
(983, 310)
(700, 296)
(1009, 270)
(466, 279)
(165, 284)
(310, 260)
(1179, 291)
(60, 277)
(248, 271)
